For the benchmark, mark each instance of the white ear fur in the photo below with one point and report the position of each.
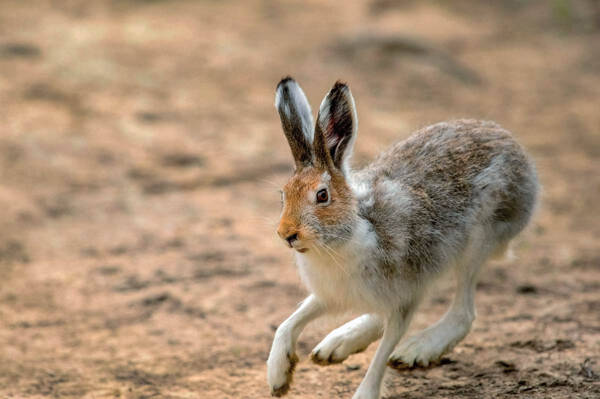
(343, 116)
(291, 101)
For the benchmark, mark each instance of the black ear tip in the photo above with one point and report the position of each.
(285, 80)
(339, 85)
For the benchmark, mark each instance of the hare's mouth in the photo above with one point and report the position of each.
(301, 250)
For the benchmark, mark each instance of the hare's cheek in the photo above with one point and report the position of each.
(328, 216)
(309, 222)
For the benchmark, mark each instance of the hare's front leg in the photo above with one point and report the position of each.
(352, 337)
(395, 326)
(282, 358)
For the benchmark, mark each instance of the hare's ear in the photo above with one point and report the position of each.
(336, 128)
(296, 120)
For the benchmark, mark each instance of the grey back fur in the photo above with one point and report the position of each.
(426, 194)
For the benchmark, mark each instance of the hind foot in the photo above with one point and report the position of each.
(427, 347)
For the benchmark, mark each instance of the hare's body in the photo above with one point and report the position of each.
(450, 196)
(418, 205)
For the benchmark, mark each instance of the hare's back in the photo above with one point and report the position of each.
(447, 155)
(454, 175)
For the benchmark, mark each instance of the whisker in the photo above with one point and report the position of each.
(316, 247)
(271, 183)
(334, 256)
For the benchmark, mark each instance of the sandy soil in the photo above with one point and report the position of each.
(140, 157)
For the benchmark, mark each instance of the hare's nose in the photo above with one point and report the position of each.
(291, 238)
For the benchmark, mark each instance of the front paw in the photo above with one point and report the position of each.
(335, 349)
(327, 353)
(280, 370)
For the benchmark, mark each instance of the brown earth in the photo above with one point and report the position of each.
(140, 156)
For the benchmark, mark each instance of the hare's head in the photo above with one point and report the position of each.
(319, 208)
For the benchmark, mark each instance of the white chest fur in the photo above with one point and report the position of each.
(339, 276)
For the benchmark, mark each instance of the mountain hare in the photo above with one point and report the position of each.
(370, 241)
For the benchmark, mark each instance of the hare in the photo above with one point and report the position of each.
(370, 241)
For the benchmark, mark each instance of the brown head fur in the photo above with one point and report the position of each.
(312, 221)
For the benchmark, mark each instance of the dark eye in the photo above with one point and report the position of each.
(322, 196)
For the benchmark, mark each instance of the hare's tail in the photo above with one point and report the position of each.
(503, 251)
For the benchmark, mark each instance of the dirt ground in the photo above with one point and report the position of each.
(140, 157)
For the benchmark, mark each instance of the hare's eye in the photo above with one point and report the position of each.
(322, 196)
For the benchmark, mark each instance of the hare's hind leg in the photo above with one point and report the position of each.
(352, 337)
(428, 346)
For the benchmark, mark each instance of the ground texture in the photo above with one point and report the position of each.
(140, 156)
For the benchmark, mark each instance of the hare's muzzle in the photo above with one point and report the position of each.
(291, 237)
(288, 236)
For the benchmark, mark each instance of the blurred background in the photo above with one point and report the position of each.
(140, 157)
